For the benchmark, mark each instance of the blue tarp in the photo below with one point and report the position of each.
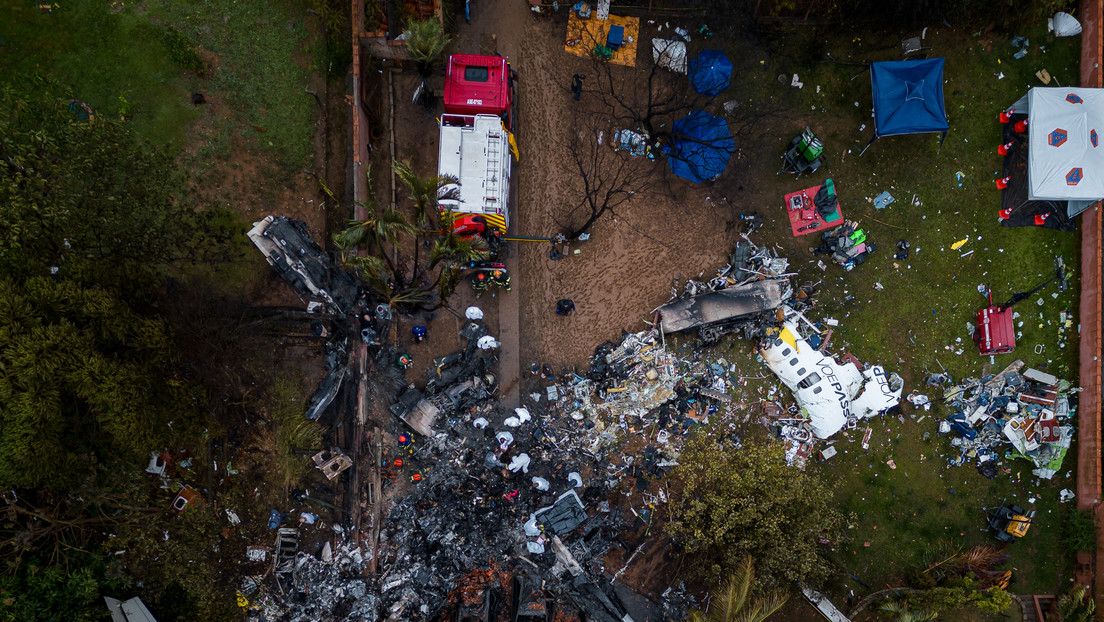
(710, 72)
(908, 97)
(700, 147)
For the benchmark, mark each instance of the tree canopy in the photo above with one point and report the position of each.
(80, 371)
(83, 198)
(738, 501)
(89, 223)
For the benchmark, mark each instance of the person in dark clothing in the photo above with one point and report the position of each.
(902, 249)
(577, 86)
(564, 306)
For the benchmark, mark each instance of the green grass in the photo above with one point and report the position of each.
(260, 67)
(113, 61)
(918, 322)
(140, 58)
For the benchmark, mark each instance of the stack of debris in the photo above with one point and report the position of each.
(470, 513)
(526, 490)
(742, 296)
(848, 245)
(1028, 415)
(639, 388)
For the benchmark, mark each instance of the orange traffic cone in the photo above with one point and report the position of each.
(1020, 126)
(1006, 116)
(1040, 219)
(1005, 213)
(1003, 149)
(1002, 183)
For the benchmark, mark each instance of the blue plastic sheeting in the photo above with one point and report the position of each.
(710, 72)
(908, 97)
(700, 147)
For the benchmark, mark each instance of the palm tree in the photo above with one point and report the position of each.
(452, 253)
(426, 193)
(381, 279)
(904, 615)
(729, 601)
(425, 39)
(1074, 607)
(378, 226)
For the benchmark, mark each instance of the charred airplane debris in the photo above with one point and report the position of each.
(338, 366)
(742, 296)
(549, 521)
(289, 248)
(328, 290)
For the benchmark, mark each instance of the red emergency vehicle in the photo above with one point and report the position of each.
(476, 139)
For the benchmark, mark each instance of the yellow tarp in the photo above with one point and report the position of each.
(584, 34)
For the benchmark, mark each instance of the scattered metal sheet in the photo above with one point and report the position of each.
(332, 462)
(283, 556)
(416, 411)
(132, 610)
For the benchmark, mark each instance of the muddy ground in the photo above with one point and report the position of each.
(676, 231)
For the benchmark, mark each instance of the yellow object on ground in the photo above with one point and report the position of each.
(957, 245)
(1018, 525)
(584, 34)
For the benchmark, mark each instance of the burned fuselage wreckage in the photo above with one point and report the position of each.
(753, 295)
(455, 509)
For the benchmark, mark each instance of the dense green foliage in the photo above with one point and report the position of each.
(1078, 531)
(1073, 606)
(43, 592)
(958, 594)
(89, 223)
(181, 50)
(177, 560)
(82, 373)
(85, 199)
(738, 501)
(731, 600)
(426, 39)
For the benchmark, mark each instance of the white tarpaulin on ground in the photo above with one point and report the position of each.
(1065, 157)
(669, 54)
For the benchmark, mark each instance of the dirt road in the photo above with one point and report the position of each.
(627, 267)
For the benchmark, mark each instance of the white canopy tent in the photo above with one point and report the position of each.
(1065, 157)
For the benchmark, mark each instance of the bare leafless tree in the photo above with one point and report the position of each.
(605, 178)
(646, 97)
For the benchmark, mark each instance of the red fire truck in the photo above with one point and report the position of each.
(476, 139)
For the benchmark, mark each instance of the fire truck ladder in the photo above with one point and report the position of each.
(494, 158)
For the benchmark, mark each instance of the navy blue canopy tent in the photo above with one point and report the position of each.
(700, 147)
(908, 98)
(710, 72)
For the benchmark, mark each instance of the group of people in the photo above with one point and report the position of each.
(484, 279)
